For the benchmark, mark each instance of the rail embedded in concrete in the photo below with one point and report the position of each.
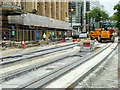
(41, 81)
(38, 53)
(31, 52)
(94, 66)
(14, 73)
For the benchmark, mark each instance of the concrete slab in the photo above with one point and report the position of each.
(13, 51)
(3, 70)
(104, 76)
(70, 78)
(38, 72)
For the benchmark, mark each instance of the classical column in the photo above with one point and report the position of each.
(67, 8)
(41, 8)
(63, 7)
(48, 8)
(23, 5)
(35, 4)
(53, 9)
(28, 6)
(58, 10)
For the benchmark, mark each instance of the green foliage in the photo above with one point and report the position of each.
(117, 15)
(112, 18)
(104, 15)
(98, 14)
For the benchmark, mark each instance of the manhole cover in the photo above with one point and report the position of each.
(50, 68)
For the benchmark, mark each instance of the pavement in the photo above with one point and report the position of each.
(118, 66)
(109, 77)
(105, 76)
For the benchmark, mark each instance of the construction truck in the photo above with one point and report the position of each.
(104, 33)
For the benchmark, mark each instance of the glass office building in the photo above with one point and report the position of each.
(78, 14)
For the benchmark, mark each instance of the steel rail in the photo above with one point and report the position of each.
(31, 52)
(38, 54)
(45, 79)
(92, 68)
(11, 74)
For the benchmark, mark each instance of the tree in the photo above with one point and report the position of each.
(98, 14)
(112, 17)
(117, 15)
(104, 15)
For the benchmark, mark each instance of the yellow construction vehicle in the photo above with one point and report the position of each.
(102, 34)
(84, 36)
(106, 34)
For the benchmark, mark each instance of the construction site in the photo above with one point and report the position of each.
(58, 44)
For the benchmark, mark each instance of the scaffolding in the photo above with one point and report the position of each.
(36, 20)
(27, 26)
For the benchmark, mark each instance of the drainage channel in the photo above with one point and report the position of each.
(37, 54)
(45, 79)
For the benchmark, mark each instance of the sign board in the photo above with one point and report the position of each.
(67, 19)
(13, 33)
(86, 45)
(83, 35)
(37, 35)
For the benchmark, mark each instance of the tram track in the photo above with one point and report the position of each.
(57, 72)
(45, 79)
(11, 74)
(33, 54)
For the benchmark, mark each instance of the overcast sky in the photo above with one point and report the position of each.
(109, 4)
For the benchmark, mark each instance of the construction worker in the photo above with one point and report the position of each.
(4, 36)
(44, 36)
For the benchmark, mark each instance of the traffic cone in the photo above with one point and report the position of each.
(62, 40)
(23, 43)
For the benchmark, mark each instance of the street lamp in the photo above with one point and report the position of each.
(81, 18)
(93, 24)
(100, 22)
(88, 20)
(71, 17)
(71, 9)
